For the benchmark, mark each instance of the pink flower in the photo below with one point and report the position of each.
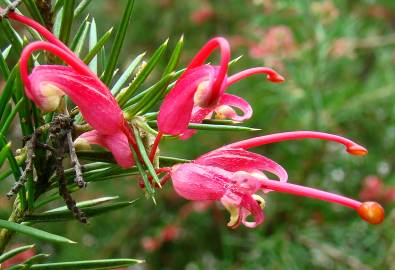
(200, 92)
(201, 15)
(233, 176)
(278, 40)
(374, 189)
(47, 84)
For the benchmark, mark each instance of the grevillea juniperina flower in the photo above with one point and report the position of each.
(200, 92)
(47, 84)
(233, 176)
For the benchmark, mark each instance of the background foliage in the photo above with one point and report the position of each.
(338, 59)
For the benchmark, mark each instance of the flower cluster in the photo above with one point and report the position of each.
(231, 174)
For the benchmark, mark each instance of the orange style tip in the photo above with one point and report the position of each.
(276, 78)
(357, 150)
(371, 212)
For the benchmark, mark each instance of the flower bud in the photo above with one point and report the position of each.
(371, 212)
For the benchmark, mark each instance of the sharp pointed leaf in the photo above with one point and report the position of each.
(79, 38)
(82, 265)
(92, 44)
(33, 232)
(119, 39)
(127, 93)
(65, 214)
(99, 45)
(11, 253)
(126, 75)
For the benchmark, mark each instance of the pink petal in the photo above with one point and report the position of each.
(198, 115)
(99, 109)
(238, 102)
(69, 71)
(251, 207)
(176, 109)
(233, 160)
(117, 143)
(195, 182)
(245, 183)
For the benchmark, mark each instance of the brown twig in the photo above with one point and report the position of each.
(60, 128)
(31, 145)
(45, 7)
(79, 180)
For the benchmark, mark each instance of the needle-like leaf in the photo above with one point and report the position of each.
(82, 265)
(119, 39)
(33, 232)
(11, 253)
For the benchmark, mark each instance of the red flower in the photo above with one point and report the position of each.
(233, 176)
(46, 85)
(200, 91)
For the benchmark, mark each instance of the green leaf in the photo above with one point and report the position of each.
(152, 96)
(34, 11)
(67, 21)
(103, 156)
(10, 117)
(6, 52)
(4, 153)
(52, 197)
(12, 36)
(5, 71)
(219, 121)
(87, 203)
(79, 38)
(81, 7)
(127, 93)
(92, 44)
(5, 174)
(99, 45)
(126, 75)
(7, 110)
(142, 94)
(7, 90)
(11, 253)
(113, 171)
(17, 267)
(33, 232)
(25, 112)
(145, 156)
(91, 264)
(16, 172)
(175, 56)
(65, 214)
(57, 6)
(35, 258)
(143, 175)
(58, 21)
(213, 127)
(119, 39)
(172, 160)
(90, 155)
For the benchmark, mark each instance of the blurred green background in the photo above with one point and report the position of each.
(338, 59)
